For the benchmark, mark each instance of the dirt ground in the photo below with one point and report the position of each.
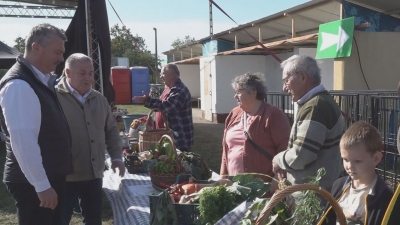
(208, 140)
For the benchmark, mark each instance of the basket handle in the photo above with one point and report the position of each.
(165, 136)
(162, 114)
(281, 194)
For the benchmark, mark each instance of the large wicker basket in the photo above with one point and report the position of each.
(168, 178)
(149, 138)
(281, 194)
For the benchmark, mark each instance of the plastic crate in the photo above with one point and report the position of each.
(186, 213)
(133, 164)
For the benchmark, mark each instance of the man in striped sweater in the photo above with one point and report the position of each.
(317, 129)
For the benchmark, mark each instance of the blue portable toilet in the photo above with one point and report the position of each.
(140, 79)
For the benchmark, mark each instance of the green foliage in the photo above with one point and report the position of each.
(167, 164)
(308, 208)
(198, 166)
(279, 213)
(164, 211)
(124, 44)
(20, 44)
(181, 42)
(307, 211)
(247, 188)
(214, 204)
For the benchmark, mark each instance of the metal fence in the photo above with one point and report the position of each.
(379, 108)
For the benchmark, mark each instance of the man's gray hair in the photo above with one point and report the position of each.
(251, 82)
(174, 68)
(302, 63)
(76, 57)
(42, 34)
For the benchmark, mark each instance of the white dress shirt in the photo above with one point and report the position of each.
(22, 113)
(76, 94)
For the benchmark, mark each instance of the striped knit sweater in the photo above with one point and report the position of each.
(314, 142)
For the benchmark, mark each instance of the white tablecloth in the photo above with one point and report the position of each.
(129, 196)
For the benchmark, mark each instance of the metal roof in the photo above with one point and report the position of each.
(307, 18)
(6, 52)
(8, 56)
(309, 40)
(277, 27)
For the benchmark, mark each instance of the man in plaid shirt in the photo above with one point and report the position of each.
(175, 102)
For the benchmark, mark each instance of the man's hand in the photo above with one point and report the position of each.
(280, 173)
(141, 99)
(48, 198)
(275, 166)
(120, 165)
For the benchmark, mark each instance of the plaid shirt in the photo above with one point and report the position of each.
(178, 108)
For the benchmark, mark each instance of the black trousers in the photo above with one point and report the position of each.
(90, 195)
(27, 202)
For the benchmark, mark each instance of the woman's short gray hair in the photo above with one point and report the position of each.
(42, 34)
(251, 82)
(302, 63)
(76, 57)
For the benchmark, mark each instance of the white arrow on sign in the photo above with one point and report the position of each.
(331, 39)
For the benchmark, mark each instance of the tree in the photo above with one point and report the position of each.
(181, 42)
(20, 44)
(124, 44)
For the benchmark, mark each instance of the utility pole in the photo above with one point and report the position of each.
(156, 64)
(211, 21)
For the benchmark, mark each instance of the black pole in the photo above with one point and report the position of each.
(211, 21)
(156, 64)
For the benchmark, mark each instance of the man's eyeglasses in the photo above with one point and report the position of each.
(287, 78)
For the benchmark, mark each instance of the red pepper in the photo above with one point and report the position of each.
(176, 196)
(164, 185)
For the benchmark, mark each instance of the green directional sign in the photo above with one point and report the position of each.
(335, 39)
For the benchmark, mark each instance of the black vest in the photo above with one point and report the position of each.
(54, 135)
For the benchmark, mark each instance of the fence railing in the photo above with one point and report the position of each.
(379, 108)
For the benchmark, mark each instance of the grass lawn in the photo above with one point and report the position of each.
(207, 143)
(134, 109)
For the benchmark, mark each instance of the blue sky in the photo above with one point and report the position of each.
(173, 18)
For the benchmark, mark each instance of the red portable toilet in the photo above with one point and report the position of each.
(121, 81)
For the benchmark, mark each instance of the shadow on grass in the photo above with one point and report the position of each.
(208, 143)
(8, 210)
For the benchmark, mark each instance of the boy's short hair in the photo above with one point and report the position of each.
(361, 132)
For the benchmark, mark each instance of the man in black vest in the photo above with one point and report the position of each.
(38, 140)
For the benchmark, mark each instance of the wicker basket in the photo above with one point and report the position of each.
(281, 194)
(168, 178)
(149, 138)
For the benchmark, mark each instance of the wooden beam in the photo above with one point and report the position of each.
(293, 28)
(362, 26)
(236, 42)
